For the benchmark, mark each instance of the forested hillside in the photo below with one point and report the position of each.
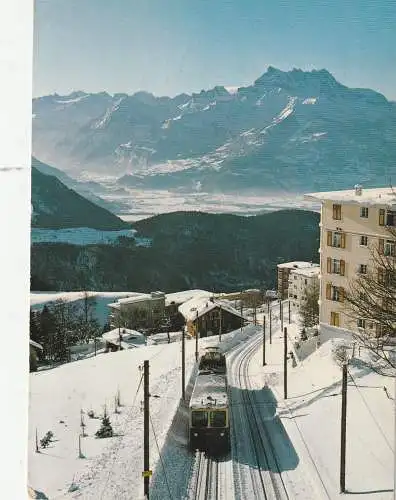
(189, 250)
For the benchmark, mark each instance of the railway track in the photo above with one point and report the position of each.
(262, 475)
(213, 479)
(206, 485)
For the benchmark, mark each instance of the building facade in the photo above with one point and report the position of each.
(300, 280)
(354, 225)
(141, 311)
(210, 316)
(284, 270)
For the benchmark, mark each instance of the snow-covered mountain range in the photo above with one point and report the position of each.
(289, 131)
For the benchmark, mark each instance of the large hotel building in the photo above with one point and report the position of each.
(353, 224)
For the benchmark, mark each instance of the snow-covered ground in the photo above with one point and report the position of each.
(310, 418)
(84, 236)
(111, 468)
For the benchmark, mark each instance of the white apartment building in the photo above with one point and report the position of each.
(142, 309)
(353, 222)
(300, 280)
(284, 270)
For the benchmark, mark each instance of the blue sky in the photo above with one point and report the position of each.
(173, 46)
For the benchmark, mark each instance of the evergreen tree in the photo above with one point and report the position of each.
(106, 429)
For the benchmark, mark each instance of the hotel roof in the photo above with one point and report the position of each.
(371, 196)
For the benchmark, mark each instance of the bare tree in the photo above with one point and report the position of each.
(371, 304)
(309, 310)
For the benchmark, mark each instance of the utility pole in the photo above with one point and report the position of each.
(146, 472)
(343, 425)
(196, 338)
(289, 310)
(220, 323)
(281, 314)
(285, 363)
(183, 366)
(264, 363)
(270, 325)
(241, 312)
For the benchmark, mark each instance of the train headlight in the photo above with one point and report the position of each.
(221, 434)
(195, 434)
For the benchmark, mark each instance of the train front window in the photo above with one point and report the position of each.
(199, 419)
(218, 418)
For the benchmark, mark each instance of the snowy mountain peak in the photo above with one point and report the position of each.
(315, 81)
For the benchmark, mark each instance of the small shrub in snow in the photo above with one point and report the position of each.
(106, 429)
(91, 414)
(45, 441)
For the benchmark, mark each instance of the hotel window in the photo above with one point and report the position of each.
(335, 293)
(336, 211)
(361, 323)
(362, 269)
(334, 318)
(381, 217)
(391, 217)
(335, 239)
(335, 266)
(363, 241)
(390, 248)
(364, 212)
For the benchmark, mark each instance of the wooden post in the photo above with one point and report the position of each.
(270, 325)
(264, 363)
(343, 425)
(196, 338)
(285, 363)
(37, 446)
(220, 323)
(146, 458)
(80, 455)
(289, 310)
(241, 312)
(281, 314)
(183, 366)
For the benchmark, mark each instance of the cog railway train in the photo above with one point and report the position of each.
(209, 422)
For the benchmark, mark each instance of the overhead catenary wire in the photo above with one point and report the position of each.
(371, 413)
(160, 457)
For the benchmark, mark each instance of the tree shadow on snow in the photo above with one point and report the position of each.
(296, 403)
(268, 446)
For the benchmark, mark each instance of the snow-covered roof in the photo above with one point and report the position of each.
(297, 264)
(183, 296)
(35, 344)
(199, 306)
(309, 272)
(209, 391)
(135, 297)
(372, 196)
(127, 335)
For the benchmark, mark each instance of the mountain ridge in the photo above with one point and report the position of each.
(303, 125)
(56, 206)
